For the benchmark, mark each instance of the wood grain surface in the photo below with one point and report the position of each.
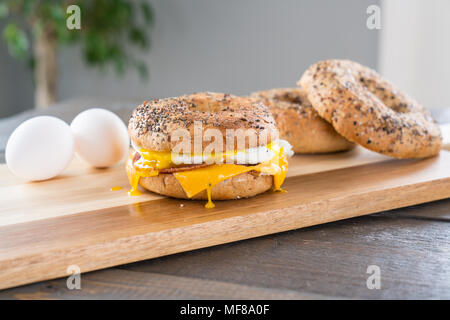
(39, 239)
(411, 246)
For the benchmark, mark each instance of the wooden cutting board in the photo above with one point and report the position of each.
(76, 219)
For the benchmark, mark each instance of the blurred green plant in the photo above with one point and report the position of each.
(35, 29)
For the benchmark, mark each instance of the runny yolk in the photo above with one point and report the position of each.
(209, 204)
(148, 165)
(278, 178)
(197, 180)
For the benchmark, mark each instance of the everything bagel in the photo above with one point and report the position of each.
(366, 109)
(153, 122)
(299, 123)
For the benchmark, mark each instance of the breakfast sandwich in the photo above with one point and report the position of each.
(209, 146)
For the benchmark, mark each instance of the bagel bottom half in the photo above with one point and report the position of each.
(308, 133)
(299, 123)
(244, 185)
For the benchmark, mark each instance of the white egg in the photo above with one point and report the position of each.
(101, 137)
(40, 148)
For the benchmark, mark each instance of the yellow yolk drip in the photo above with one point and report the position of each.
(210, 204)
(147, 166)
(278, 178)
(198, 180)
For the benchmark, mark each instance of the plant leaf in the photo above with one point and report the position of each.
(147, 12)
(16, 40)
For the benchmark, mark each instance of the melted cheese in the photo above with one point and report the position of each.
(197, 180)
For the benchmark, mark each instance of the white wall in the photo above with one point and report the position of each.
(415, 48)
(234, 46)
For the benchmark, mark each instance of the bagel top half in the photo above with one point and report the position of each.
(367, 109)
(153, 124)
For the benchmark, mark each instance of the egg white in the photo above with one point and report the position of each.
(247, 156)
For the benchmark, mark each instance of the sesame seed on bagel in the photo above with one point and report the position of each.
(299, 123)
(367, 109)
(153, 122)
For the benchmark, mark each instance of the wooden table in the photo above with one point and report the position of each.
(411, 246)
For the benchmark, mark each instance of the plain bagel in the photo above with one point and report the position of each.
(299, 123)
(366, 109)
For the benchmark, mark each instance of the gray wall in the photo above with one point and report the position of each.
(234, 46)
(16, 83)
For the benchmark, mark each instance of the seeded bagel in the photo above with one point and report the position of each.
(299, 123)
(245, 185)
(153, 123)
(366, 109)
